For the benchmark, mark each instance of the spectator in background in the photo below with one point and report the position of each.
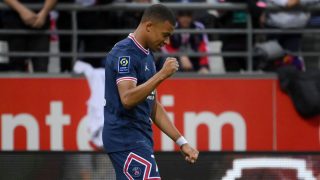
(311, 42)
(21, 17)
(94, 20)
(86, 20)
(233, 42)
(187, 42)
(131, 19)
(288, 44)
(285, 20)
(64, 22)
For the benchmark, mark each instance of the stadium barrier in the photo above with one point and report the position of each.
(249, 31)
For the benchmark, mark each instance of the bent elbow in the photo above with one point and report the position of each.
(127, 105)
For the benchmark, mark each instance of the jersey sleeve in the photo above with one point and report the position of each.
(126, 67)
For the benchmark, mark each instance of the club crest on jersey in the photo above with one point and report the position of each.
(136, 172)
(123, 64)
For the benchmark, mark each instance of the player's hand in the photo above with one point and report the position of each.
(186, 64)
(190, 154)
(203, 70)
(41, 19)
(170, 66)
(28, 17)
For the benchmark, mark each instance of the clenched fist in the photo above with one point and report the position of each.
(170, 66)
(190, 154)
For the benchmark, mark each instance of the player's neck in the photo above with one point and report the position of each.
(140, 38)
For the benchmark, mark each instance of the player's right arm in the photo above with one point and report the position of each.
(131, 94)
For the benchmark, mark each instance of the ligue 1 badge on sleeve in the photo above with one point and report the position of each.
(123, 64)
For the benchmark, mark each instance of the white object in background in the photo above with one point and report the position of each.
(54, 61)
(95, 104)
(216, 63)
(300, 165)
(272, 49)
(213, 12)
(4, 49)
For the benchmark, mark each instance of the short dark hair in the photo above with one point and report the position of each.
(158, 12)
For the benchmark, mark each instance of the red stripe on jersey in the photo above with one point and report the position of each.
(126, 79)
(138, 44)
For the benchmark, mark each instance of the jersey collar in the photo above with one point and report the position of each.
(146, 51)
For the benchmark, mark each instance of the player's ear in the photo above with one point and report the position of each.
(149, 25)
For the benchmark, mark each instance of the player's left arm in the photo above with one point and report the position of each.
(162, 121)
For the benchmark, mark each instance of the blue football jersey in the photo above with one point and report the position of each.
(125, 129)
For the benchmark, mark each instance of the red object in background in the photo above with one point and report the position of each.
(251, 99)
(214, 114)
(32, 98)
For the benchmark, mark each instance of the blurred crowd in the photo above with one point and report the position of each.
(270, 50)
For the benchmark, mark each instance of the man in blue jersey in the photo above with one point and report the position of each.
(131, 103)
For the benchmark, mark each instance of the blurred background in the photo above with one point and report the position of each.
(247, 94)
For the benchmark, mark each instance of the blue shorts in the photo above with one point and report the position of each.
(135, 164)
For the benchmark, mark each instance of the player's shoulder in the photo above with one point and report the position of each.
(123, 48)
